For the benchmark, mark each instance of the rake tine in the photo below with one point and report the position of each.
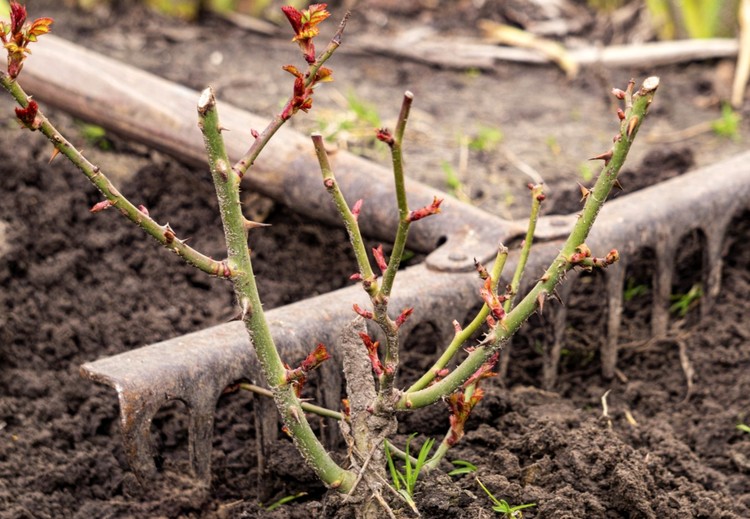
(665, 255)
(712, 263)
(559, 315)
(615, 281)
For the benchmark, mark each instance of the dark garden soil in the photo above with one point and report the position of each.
(75, 287)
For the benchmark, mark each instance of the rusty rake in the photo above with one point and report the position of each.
(196, 368)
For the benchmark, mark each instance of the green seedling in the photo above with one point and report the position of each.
(486, 139)
(586, 171)
(743, 427)
(364, 111)
(633, 291)
(284, 500)
(728, 125)
(462, 467)
(683, 303)
(453, 182)
(553, 145)
(354, 125)
(405, 481)
(95, 136)
(503, 507)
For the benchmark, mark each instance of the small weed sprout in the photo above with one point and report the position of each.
(503, 507)
(462, 467)
(406, 481)
(633, 290)
(683, 303)
(586, 171)
(351, 127)
(743, 427)
(728, 125)
(486, 139)
(283, 501)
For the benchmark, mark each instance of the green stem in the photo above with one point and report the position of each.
(306, 406)
(161, 233)
(350, 222)
(227, 182)
(634, 117)
(380, 302)
(465, 334)
(399, 243)
(537, 195)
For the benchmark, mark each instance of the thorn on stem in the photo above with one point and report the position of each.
(540, 301)
(246, 308)
(584, 192)
(55, 153)
(632, 124)
(250, 224)
(606, 157)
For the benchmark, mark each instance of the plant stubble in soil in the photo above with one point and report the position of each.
(77, 286)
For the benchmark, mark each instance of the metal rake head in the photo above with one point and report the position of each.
(197, 367)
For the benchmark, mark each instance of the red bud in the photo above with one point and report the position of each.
(316, 358)
(426, 211)
(405, 313)
(356, 208)
(27, 115)
(372, 353)
(364, 313)
(385, 135)
(100, 206)
(380, 258)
